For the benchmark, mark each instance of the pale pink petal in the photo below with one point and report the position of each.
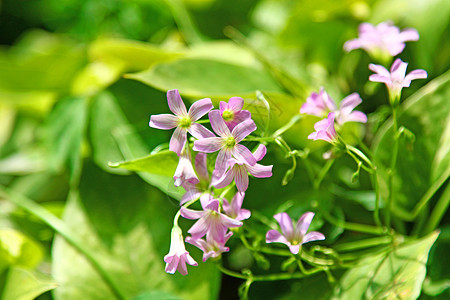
(356, 116)
(312, 136)
(243, 129)
(273, 236)
(409, 34)
(218, 124)
(235, 104)
(171, 263)
(398, 70)
(201, 166)
(163, 121)
(222, 162)
(260, 152)
(178, 140)
(350, 102)
(176, 105)
(185, 171)
(352, 45)
(239, 117)
(294, 248)
(303, 224)
(244, 155)
(313, 236)
(237, 201)
(200, 228)
(190, 260)
(230, 222)
(260, 171)
(241, 178)
(380, 78)
(225, 180)
(208, 145)
(321, 125)
(327, 100)
(416, 74)
(190, 213)
(213, 205)
(380, 70)
(223, 106)
(200, 108)
(199, 131)
(285, 224)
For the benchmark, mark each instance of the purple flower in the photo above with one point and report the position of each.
(318, 104)
(383, 39)
(182, 120)
(325, 130)
(200, 189)
(396, 79)
(211, 222)
(210, 247)
(234, 209)
(232, 112)
(185, 172)
(346, 113)
(239, 171)
(177, 257)
(227, 142)
(293, 237)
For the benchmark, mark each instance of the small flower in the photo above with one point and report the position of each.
(201, 188)
(381, 40)
(293, 237)
(210, 247)
(232, 112)
(211, 222)
(325, 130)
(227, 142)
(239, 171)
(185, 172)
(183, 121)
(396, 79)
(177, 257)
(234, 209)
(318, 104)
(321, 104)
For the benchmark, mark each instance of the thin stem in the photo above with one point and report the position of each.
(354, 226)
(294, 120)
(362, 244)
(438, 212)
(376, 212)
(60, 227)
(322, 173)
(392, 166)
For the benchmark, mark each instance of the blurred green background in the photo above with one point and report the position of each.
(80, 78)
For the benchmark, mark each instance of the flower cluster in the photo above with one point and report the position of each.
(234, 161)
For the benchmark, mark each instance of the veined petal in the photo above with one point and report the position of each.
(178, 140)
(350, 102)
(171, 263)
(260, 171)
(243, 154)
(313, 236)
(235, 104)
(208, 145)
(163, 121)
(218, 124)
(200, 228)
(243, 129)
(213, 205)
(200, 108)
(222, 162)
(416, 74)
(321, 125)
(380, 70)
(285, 224)
(241, 178)
(398, 70)
(176, 105)
(199, 131)
(225, 180)
(260, 152)
(190, 213)
(303, 224)
(201, 166)
(273, 236)
(230, 222)
(380, 78)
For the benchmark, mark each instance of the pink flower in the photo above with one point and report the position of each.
(177, 257)
(382, 39)
(232, 112)
(292, 236)
(234, 209)
(320, 104)
(227, 142)
(325, 130)
(396, 79)
(211, 222)
(183, 121)
(200, 189)
(238, 171)
(185, 172)
(210, 247)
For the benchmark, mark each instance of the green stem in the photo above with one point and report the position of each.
(60, 227)
(294, 120)
(362, 244)
(322, 173)
(392, 166)
(376, 212)
(438, 211)
(184, 22)
(354, 226)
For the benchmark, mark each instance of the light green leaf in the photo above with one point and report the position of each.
(22, 284)
(206, 78)
(397, 274)
(419, 165)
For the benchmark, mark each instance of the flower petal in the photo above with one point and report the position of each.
(199, 131)
(225, 179)
(285, 224)
(409, 34)
(416, 74)
(273, 236)
(208, 145)
(178, 140)
(313, 236)
(190, 213)
(294, 248)
(163, 121)
(243, 129)
(260, 152)
(235, 104)
(260, 171)
(201, 166)
(350, 102)
(398, 70)
(303, 224)
(244, 155)
(176, 105)
(200, 108)
(352, 45)
(218, 124)
(356, 116)
(380, 70)
(241, 178)
(222, 162)
(380, 78)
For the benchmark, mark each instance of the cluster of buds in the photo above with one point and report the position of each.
(231, 125)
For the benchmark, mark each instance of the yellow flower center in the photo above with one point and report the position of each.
(228, 115)
(185, 122)
(230, 142)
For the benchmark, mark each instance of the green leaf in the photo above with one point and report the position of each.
(399, 273)
(206, 78)
(127, 225)
(65, 133)
(426, 114)
(22, 284)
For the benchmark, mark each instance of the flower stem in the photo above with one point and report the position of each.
(322, 173)
(354, 226)
(392, 166)
(438, 212)
(294, 120)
